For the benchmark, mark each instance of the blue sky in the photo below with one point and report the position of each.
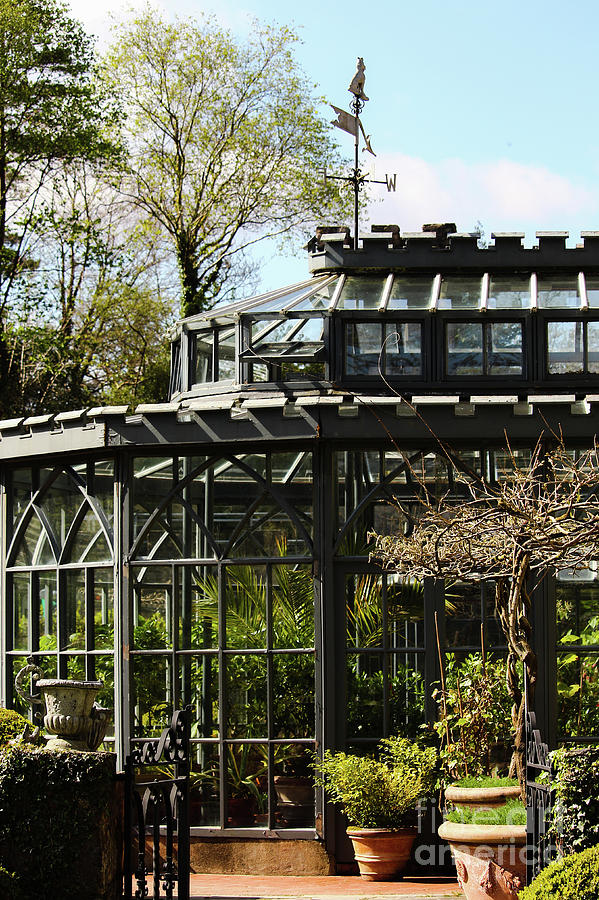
(487, 111)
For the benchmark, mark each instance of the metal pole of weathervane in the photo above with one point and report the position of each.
(353, 125)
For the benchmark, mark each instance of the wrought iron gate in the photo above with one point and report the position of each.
(157, 815)
(539, 799)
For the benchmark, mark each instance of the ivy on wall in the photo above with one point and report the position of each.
(575, 817)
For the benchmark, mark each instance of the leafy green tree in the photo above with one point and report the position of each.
(225, 144)
(52, 109)
(88, 323)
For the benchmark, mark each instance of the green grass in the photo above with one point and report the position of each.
(486, 781)
(511, 813)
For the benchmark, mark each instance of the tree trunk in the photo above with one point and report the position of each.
(513, 607)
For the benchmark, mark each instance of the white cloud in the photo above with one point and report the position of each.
(506, 195)
(99, 17)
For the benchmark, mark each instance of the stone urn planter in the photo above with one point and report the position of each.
(381, 854)
(72, 716)
(490, 859)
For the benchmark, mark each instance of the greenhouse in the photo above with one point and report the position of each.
(212, 550)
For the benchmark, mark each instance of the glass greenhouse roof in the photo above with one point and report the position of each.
(404, 292)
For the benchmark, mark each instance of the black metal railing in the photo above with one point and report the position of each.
(539, 800)
(156, 825)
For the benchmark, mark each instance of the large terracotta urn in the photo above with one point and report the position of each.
(490, 859)
(381, 854)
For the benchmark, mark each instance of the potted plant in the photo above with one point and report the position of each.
(474, 729)
(489, 849)
(294, 787)
(379, 797)
(485, 823)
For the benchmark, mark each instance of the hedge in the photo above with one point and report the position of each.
(575, 877)
(59, 823)
(12, 725)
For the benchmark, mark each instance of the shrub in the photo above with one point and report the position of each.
(575, 817)
(379, 793)
(575, 877)
(58, 822)
(12, 724)
(9, 887)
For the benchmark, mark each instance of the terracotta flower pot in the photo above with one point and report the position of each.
(295, 799)
(381, 854)
(490, 859)
(481, 797)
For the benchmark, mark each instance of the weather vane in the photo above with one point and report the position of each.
(353, 125)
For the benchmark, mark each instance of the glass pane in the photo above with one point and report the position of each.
(103, 608)
(592, 286)
(104, 487)
(61, 503)
(203, 614)
(258, 372)
(364, 611)
(245, 605)
(364, 695)
(152, 613)
(363, 350)
(73, 628)
(204, 344)
(48, 666)
(47, 611)
(272, 330)
(558, 293)
(294, 786)
(410, 293)
(403, 348)
(509, 292)
(320, 300)
(361, 292)
(406, 695)
(247, 785)
(504, 462)
(464, 348)
(34, 548)
(204, 805)
(103, 670)
(226, 354)
(505, 348)
(294, 371)
(20, 600)
(292, 607)
(22, 487)
(593, 347)
(246, 696)
(564, 348)
(405, 612)
(293, 695)
(151, 694)
(90, 544)
(577, 597)
(460, 293)
(578, 695)
(199, 676)
(463, 616)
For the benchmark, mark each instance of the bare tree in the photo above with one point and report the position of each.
(543, 517)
